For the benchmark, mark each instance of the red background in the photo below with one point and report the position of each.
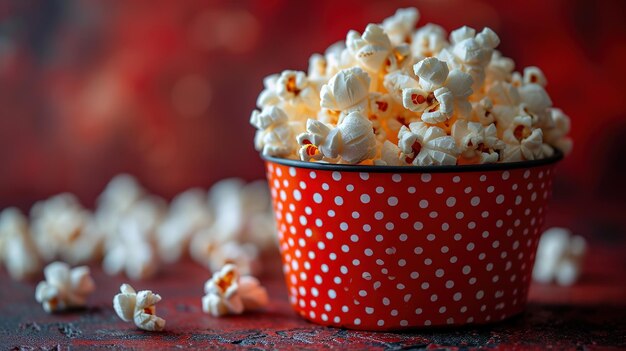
(164, 89)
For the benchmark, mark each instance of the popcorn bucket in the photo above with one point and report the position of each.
(382, 248)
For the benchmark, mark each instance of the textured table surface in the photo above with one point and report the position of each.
(590, 315)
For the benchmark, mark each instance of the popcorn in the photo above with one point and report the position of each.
(346, 91)
(557, 134)
(424, 145)
(522, 142)
(559, 257)
(188, 213)
(63, 229)
(17, 250)
(64, 288)
(275, 134)
(373, 50)
(352, 141)
(428, 41)
(243, 226)
(477, 144)
(441, 92)
(228, 293)
(399, 27)
(394, 75)
(122, 192)
(291, 91)
(471, 52)
(138, 307)
(131, 248)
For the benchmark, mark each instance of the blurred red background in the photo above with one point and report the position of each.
(164, 89)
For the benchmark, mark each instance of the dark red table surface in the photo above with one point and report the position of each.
(589, 315)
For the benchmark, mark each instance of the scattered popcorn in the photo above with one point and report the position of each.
(131, 249)
(189, 213)
(63, 229)
(228, 293)
(138, 307)
(64, 288)
(243, 227)
(17, 250)
(559, 257)
(394, 75)
(122, 192)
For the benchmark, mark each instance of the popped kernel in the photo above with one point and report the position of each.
(559, 257)
(64, 288)
(229, 293)
(139, 308)
(425, 145)
(18, 253)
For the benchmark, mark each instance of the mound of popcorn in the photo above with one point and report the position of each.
(396, 95)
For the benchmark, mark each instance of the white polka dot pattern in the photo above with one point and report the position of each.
(380, 251)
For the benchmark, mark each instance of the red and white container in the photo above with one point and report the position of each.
(380, 248)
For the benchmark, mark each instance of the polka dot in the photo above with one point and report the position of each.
(505, 175)
(343, 226)
(411, 190)
(426, 177)
(392, 201)
(457, 296)
(349, 187)
(380, 190)
(396, 178)
(338, 200)
(357, 321)
(365, 198)
(418, 225)
(297, 195)
(430, 237)
(355, 215)
(439, 190)
(500, 199)
(336, 176)
(317, 197)
(456, 179)
(325, 186)
(379, 215)
(403, 237)
(475, 201)
(451, 201)
(364, 176)
(332, 294)
(480, 294)
(331, 213)
(423, 203)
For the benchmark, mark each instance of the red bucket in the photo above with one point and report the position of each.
(380, 248)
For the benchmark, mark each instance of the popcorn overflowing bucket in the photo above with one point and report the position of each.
(384, 248)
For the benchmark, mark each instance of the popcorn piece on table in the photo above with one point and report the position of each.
(441, 93)
(228, 293)
(559, 257)
(138, 307)
(275, 135)
(424, 145)
(352, 141)
(64, 288)
(189, 212)
(120, 194)
(17, 250)
(476, 143)
(63, 229)
(132, 249)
